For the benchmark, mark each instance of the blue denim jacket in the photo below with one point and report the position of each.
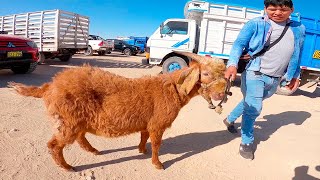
(253, 37)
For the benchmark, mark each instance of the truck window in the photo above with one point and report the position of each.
(99, 38)
(90, 38)
(175, 27)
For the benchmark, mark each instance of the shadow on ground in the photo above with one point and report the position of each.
(301, 173)
(187, 145)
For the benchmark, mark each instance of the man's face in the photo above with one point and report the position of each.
(278, 13)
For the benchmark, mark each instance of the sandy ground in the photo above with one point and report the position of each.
(197, 146)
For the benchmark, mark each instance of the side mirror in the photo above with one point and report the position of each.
(161, 29)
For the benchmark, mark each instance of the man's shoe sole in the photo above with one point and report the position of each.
(230, 127)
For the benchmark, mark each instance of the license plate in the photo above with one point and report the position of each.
(14, 54)
(103, 49)
(316, 54)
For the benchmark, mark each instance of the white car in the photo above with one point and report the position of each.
(99, 45)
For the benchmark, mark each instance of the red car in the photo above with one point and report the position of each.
(18, 54)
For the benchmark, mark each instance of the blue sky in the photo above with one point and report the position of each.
(112, 18)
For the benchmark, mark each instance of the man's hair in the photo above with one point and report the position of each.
(287, 3)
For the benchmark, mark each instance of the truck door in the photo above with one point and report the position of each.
(176, 34)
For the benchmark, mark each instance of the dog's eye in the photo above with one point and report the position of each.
(205, 74)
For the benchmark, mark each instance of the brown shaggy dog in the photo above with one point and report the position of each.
(88, 99)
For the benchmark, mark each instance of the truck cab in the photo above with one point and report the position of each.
(208, 29)
(173, 34)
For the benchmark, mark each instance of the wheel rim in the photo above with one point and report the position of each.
(88, 51)
(127, 52)
(173, 67)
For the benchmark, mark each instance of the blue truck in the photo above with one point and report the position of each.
(138, 41)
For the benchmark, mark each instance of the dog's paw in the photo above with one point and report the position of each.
(143, 151)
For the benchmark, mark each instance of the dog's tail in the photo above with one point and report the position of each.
(33, 91)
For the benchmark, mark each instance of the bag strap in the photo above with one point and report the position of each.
(266, 48)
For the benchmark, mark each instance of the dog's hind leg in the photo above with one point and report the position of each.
(56, 145)
(156, 138)
(84, 144)
(143, 141)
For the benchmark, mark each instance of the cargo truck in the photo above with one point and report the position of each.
(209, 29)
(57, 33)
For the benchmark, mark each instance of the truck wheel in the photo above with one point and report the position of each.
(127, 52)
(65, 58)
(88, 51)
(282, 90)
(108, 52)
(101, 53)
(41, 58)
(26, 68)
(173, 63)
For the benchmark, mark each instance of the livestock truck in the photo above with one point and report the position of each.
(209, 29)
(57, 33)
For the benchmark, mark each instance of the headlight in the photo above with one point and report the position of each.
(32, 44)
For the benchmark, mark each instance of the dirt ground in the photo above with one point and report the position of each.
(197, 146)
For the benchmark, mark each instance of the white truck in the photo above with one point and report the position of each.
(57, 33)
(208, 29)
(99, 45)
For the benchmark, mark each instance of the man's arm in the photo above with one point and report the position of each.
(239, 44)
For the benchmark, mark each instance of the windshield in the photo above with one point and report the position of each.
(175, 27)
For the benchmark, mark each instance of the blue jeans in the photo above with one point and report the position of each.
(255, 87)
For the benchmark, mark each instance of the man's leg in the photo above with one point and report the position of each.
(252, 107)
(238, 110)
(233, 116)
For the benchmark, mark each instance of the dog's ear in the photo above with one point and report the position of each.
(184, 75)
(188, 79)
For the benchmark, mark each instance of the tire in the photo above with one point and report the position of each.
(101, 53)
(127, 52)
(108, 52)
(25, 68)
(88, 51)
(173, 63)
(281, 90)
(65, 58)
(41, 58)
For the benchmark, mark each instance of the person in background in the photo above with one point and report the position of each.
(264, 70)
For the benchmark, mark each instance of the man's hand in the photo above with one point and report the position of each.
(231, 73)
(293, 83)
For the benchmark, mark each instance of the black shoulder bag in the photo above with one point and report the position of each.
(245, 57)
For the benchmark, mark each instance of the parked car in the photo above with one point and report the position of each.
(99, 45)
(125, 48)
(18, 54)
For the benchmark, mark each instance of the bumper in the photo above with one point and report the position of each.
(145, 61)
(103, 49)
(18, 62)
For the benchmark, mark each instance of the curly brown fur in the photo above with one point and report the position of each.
(88, 99)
